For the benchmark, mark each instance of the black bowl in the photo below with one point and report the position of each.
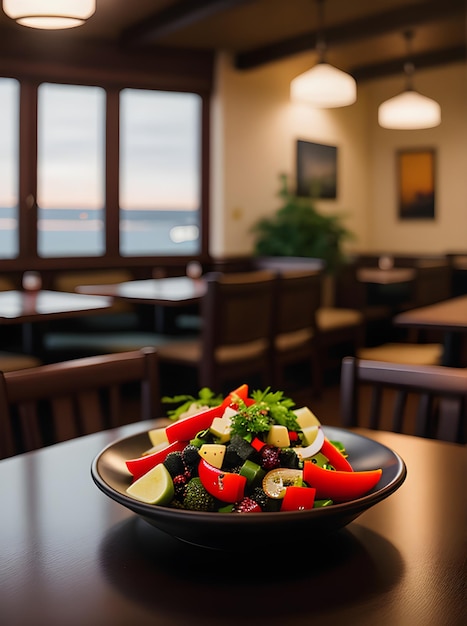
(230, 531)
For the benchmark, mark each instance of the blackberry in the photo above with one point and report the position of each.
(180, 481)
(270, 457)
(247, 505)
(259, 496)
(191, 458)
(174, 463)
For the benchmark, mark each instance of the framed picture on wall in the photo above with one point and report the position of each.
(416, 172)
(316, 170)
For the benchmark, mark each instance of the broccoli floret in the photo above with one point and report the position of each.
(197, 498)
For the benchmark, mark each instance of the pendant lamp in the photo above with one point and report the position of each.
(409, 110)
(50, 14)
(323, 86)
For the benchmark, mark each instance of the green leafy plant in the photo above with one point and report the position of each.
(298, 229)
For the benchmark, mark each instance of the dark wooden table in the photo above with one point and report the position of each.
(448, 316)
(390, 276)
(32, 308)
(71, 556)
(177, 291)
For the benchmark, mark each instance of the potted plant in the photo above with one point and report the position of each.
(297, 229)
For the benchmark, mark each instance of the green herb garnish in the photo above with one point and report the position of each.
(206, 397)
(270, 408)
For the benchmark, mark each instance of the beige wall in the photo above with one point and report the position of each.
(254, 133)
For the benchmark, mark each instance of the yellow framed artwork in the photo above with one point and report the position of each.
(416, 171)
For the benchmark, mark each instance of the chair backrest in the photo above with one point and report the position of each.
(299, 300)
(433, 395)
(237, 314)
(295, 329)
(59, 401)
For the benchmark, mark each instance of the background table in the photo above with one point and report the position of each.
(29, 308)
(178, 291)
(71, 556)
(448, 316)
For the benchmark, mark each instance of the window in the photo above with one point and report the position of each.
(160, 173)
(104, 158)
(9, 167)
(71, 171)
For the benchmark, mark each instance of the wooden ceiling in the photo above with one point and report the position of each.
(363, 37)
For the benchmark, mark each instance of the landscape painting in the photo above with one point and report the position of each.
(416, 169)
(316, 170)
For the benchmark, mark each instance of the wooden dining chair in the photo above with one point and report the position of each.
(236, 332)
(295, 332)
(433, 397)
(341, 329)
(60, 401)
(12, 361)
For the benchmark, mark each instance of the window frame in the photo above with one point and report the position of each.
(160, 70)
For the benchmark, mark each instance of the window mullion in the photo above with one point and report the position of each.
(28, 171)
(112, 230)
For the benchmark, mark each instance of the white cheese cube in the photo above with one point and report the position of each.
(213, 453)
(305, 418)
(220, 428)
(278, 436)
(310, 433)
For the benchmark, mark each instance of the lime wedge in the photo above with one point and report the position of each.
(154, 487)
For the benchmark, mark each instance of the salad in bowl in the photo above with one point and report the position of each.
(245, 454)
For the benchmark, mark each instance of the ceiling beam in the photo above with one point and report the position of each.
(357, 30)
(173, 18)
(396, 66)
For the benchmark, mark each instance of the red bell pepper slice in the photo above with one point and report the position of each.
(257, 444)
(339, 486)
(186, 428)
(298, 498)
(335, 456)
(142, 464)
(241, 393)
(225, 486)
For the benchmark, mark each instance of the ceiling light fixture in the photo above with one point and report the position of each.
(50, 14)
(409, 110)
(323, 86)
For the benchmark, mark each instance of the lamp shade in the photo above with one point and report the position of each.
(409, 111)
(49, 14)
(324, 86)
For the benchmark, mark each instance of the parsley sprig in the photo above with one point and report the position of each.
(270, 408)
(206, 397)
